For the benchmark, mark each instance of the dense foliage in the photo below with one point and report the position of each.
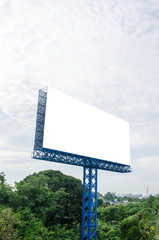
(138, 220)
(45, 205)
(48, 205)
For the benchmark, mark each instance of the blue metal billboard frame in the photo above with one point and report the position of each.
(90, 167)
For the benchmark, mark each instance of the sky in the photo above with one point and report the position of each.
(102, 52)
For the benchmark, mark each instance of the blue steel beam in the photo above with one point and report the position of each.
(78, 160)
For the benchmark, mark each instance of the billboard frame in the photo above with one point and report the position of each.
(90, 168)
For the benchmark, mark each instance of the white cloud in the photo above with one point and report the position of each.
(105, 53)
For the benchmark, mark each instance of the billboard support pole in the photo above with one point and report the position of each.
(90, 166)
(89, 208)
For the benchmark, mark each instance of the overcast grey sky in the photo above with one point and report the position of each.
(102, 52)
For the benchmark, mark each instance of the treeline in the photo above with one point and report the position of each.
(113, 198)
(134, 221)
(48, 205)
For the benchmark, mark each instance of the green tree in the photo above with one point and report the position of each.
(62, 233)
(109, 197)
(100, 202)
(129, 228)
(56, 213)
(133, 208)
(8, 224)
(31, 228)
(112, 214)
(106, 231)
(70, 202)
(6, 192)
(34, 196)
(134, 233)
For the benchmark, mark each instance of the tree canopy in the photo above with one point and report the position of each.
(48, 206)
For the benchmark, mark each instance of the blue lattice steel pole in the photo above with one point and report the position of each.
(89, 208)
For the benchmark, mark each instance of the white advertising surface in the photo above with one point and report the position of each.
(75, 127)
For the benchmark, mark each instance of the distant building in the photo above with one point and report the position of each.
(130, 195)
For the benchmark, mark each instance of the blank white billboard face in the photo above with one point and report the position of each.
(75, 127)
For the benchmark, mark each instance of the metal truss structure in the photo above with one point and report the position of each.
(90, 168)
(78, 160)
(89, 208)
(40, 119)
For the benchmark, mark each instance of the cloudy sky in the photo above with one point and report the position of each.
(102, 52)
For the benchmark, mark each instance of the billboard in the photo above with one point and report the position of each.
(72, 126)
